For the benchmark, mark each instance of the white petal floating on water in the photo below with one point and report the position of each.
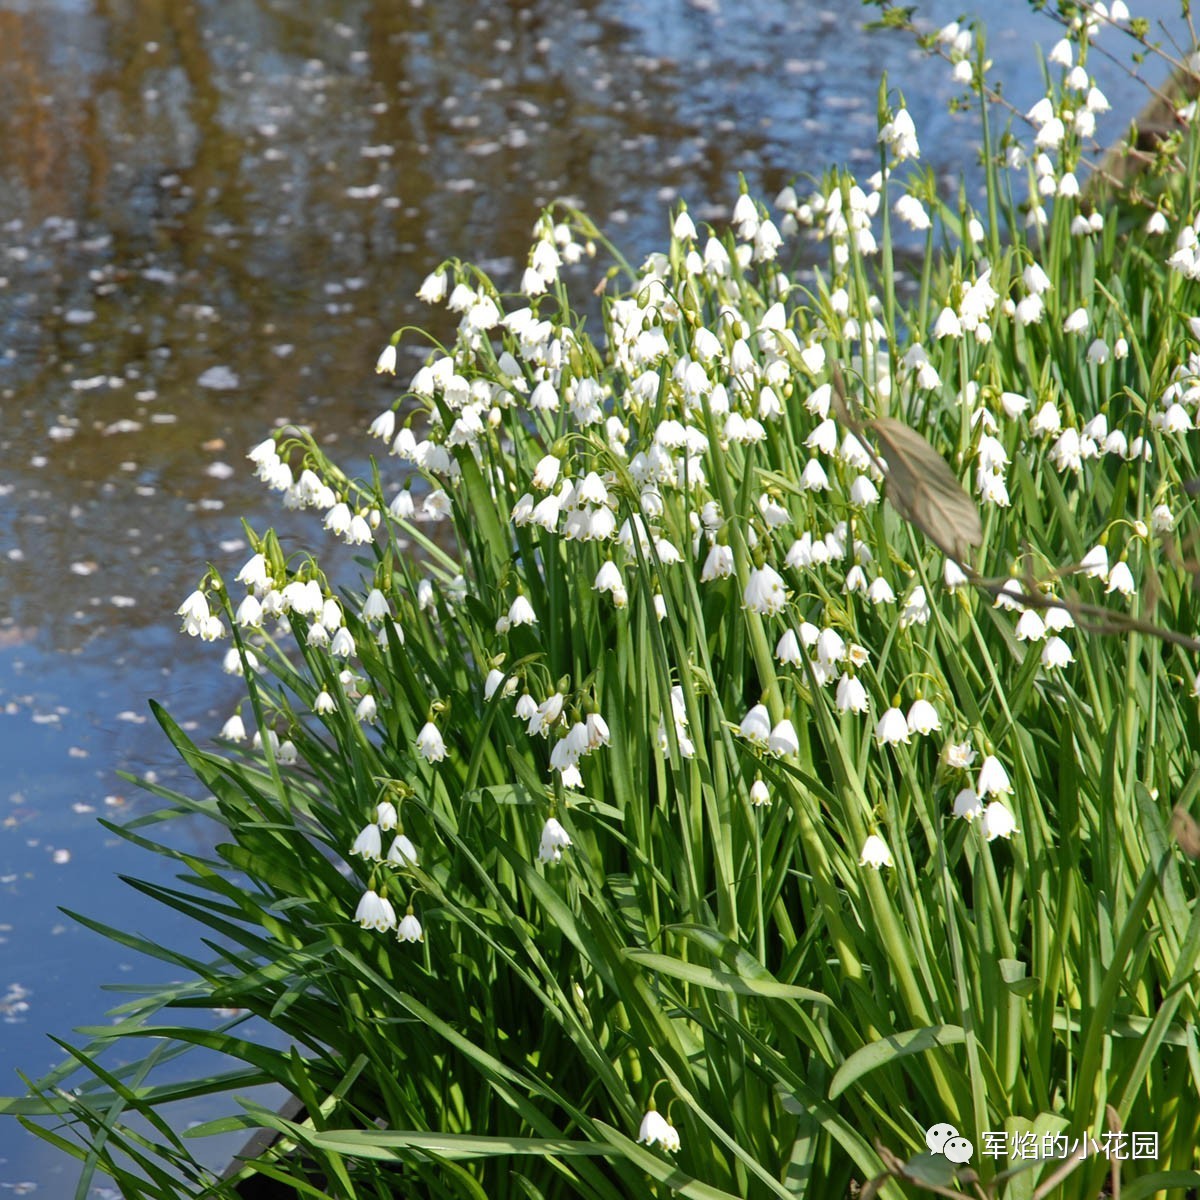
(219, 379)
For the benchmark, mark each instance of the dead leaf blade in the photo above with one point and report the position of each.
(925, 491)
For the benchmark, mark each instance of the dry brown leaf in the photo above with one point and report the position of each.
(924, 491)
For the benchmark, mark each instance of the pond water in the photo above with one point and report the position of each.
(212, 215)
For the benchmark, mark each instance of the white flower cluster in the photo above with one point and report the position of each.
(374, 910)
(995, 818)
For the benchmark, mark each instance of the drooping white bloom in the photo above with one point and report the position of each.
(254, 573)
(609, 578)
(1162, 520)
(912, 212)
(555, 840)
(814, 478)
(773, 512)
(338, 518)
(1037, 282)
(231, 664)
(367, 709)
(402, 506)
(787, 650)
(892, 728)
(1007, 595)
(831, 646)
(1094, 563)
(1030, 310)
(765, 592)
(433, 289)
(234, 730)
(402, 853)
(1056, 654)
(375, 607)
(288, 755)
(1077, 321)
(922, 717)
(756, 725)
(656, 1130)
(856, 580)
(546, 714)
(1077, 80)
(375, 912)
(368, 843)
(384, 425)
(409, 929)
(342, 645)
(331, 615)
(430, 743)
(1030, 628)
(195, 613)
(953, 576)
(1174, 420)
(1062, 53)
(863, 492)
(916, 609)
(684, 227)
(783, 740)
(494, 679)
(597, 731)
(900, 135)
(718, 564)
(533, 283)
(521, 612)
(545, 474)
(993, 778)
(875, 853)
(544, 398)
(1013, 404)
(967, 804)
(249, 613)
(264, 452)
(1157, 224)
(1046, 420)
(851, 695)
(997, 821)
(880, 591)
(947, 325)
(1050, 136)
(1067, 452)
(760, 797)
(1057, 619)
(767, 241)
(546, 513)
(272, 738)
(1120, 579)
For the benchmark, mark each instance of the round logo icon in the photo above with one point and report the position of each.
(944, 1139)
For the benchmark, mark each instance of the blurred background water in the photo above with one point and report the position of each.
(213, 213)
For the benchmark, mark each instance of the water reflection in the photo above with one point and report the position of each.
(212, 212)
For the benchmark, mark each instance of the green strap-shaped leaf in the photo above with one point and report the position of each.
(889, 1049)
(390, 1144)
(723, 981)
